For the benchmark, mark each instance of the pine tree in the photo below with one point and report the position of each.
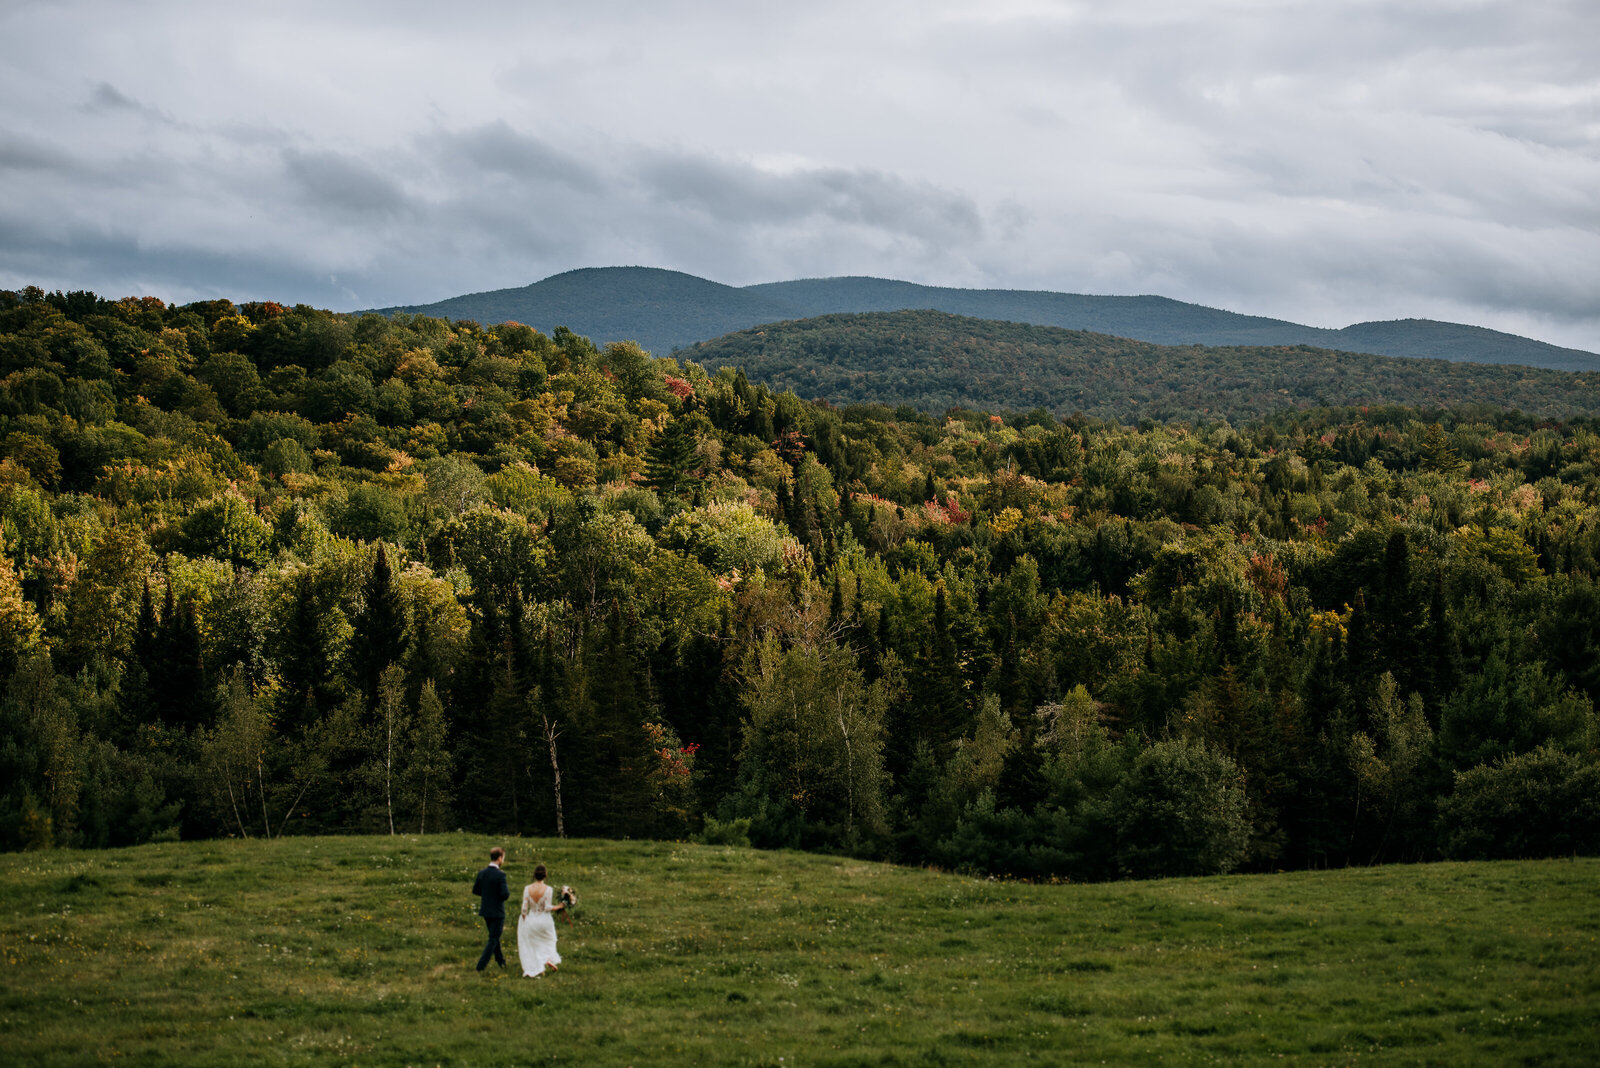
(379, 625)
(507, 737)
(189, 691)
(144, 633)
(1440, 657)
(1437, 452)
(488, 697)
(136, 703)
(671, 459)
(938, 687)
(179, 692)
(618, 736)
(303, 660)
(425, 782)
(705, 710)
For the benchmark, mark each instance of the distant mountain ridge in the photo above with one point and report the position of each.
(666, 310)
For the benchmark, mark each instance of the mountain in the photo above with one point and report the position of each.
(662, 310)
(667, 310)
(1158, 319)
(933, 361)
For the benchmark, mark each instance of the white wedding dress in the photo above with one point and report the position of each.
(536, 932)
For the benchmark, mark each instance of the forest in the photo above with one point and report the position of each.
(934, 361)
(273, 570)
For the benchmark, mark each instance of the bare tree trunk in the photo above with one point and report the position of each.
(849, 767)
(1355, 824)
(550, 736)
(388, 761)
(294, 804)
(227, 777)
(261, 784)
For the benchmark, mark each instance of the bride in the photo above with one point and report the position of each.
(536, 929)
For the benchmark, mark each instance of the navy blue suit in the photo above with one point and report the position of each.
(492, 891)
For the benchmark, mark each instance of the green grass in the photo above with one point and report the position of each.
(360, 951)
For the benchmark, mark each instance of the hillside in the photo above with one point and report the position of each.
(360, 950)
(667, 310)
(1172, 322)
(933, 361)
(268, 567)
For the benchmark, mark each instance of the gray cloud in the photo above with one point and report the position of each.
(740, 194)
(1321, 162)
(499, 149)
(22, 153)
(341, 183)
(106, 97)
(180, 272)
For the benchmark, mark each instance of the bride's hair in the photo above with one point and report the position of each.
(538, 873)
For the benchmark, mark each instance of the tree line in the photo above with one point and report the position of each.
(269, 570)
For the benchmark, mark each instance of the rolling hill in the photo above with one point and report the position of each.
(933, 361)
(359, 950)
(667, 310)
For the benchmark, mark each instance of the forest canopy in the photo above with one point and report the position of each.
(933, 361)
(273, 570)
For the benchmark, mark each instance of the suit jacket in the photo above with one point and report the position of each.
(492, 891)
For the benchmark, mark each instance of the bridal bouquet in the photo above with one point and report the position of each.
(569, 898)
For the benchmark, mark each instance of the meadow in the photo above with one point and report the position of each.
(361, 950)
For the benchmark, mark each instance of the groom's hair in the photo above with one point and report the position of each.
(496, 853)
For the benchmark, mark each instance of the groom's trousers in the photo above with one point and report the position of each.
(496, 925)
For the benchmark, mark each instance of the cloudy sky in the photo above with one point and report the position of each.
(1326, 162)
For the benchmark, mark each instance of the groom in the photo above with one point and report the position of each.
(492, 891)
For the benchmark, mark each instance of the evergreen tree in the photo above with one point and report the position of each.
(136, 701)
(836, 615)
(672, 460)
(1437, 452)
(1398, 617)
(1439, 662)
(304, 662)
(144, 633)
(937, 686)
(425, 780)
(491, 700)
(185, 693)
(621, 747)
(379, 623)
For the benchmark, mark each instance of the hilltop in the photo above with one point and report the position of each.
(667, 310)
(662, 310)
(933, 361)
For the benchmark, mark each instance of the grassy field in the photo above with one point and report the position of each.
(361, 951)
